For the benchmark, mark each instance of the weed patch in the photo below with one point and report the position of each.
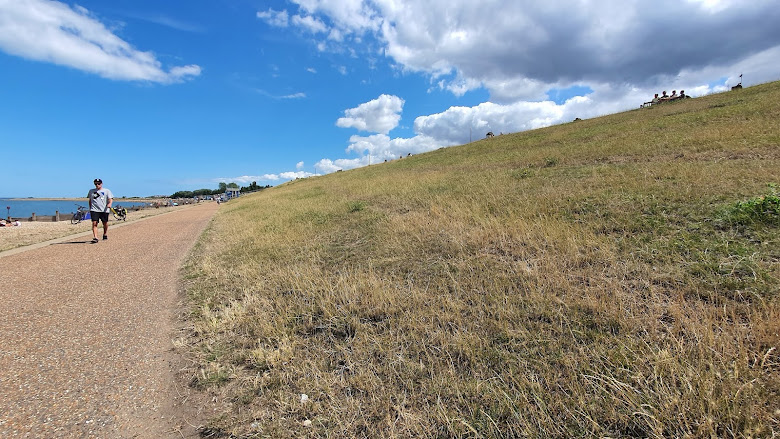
(763, 209)
(355, 206)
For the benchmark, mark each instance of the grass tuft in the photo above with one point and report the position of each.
(356, 206)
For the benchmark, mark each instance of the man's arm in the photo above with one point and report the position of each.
(110, 198)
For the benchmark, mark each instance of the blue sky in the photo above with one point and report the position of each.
(160, 96)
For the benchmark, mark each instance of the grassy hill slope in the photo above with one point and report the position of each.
(615, 277)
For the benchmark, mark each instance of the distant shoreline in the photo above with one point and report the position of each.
(117, 200)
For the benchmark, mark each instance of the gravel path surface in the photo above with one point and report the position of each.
(86, 334)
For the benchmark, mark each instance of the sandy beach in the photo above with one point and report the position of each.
(34, 232)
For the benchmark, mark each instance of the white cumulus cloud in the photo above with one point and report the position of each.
(248, 179)
(518, 50)
(275, 18)
(309, 23)
(377, 116)
(327, 166)
(51, 31)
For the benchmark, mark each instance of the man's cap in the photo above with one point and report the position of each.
(97, 180)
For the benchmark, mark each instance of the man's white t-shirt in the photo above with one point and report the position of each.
(98, 199)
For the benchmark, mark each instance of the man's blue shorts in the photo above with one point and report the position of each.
(101, 216)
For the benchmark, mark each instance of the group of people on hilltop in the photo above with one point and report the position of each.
(666, 98)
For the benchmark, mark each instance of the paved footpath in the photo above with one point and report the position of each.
(86, 333)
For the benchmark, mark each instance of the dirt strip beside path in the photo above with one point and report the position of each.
(86, 334)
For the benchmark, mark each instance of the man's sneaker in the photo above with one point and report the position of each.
(105, 237)
(94, 240)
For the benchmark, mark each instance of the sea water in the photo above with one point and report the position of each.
(24, 208)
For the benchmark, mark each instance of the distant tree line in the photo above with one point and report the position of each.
(221, 190)
(254, 187)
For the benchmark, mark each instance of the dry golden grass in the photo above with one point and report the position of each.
(583, 280)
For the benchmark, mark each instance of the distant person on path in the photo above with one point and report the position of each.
(100, 200)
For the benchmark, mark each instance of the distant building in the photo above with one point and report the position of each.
(231, 193)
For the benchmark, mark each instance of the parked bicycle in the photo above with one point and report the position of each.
(119, 212)
(80, 215)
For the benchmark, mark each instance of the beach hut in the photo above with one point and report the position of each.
(231, 193)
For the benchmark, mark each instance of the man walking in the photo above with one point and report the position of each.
(100, 200)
